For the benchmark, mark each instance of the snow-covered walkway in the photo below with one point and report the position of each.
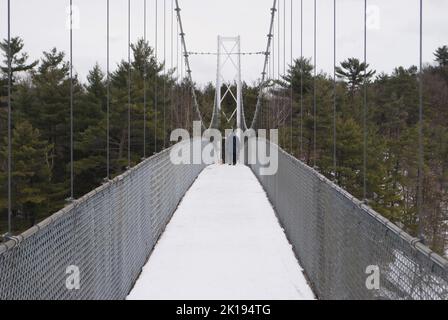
(224, 242)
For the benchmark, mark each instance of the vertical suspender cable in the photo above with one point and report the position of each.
(365, 105)
(9, 120)
(315, 84)
(271, 105)
(145, 71)
(284, 65)
(262, 114)
(155, 78)
(180, 118)
(164, 74)
(274, 58)
(420, 132)
(172, 64)
(277, 95)
(129, 83)
(301, 79)
(334, 93)
(182, 91)
(278, 62)
(72, 196)
(267, 126)
(292, 92)
(284, 69)
(271, 78)
(108, 94)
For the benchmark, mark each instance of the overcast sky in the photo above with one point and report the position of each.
(392, 37)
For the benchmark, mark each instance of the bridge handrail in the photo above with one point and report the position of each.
(16, 240)
(415, 242)
(108, 235)
(336, 237)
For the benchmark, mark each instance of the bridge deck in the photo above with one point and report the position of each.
(224, 242)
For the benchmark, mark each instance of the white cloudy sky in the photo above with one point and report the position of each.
(42, 24)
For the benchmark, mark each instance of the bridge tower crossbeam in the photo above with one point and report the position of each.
(228, 49)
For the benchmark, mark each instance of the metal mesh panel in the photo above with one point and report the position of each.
(109, 234)
(336, 238)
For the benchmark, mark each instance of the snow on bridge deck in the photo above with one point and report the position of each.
(224, 242)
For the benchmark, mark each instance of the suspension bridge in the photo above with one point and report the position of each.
(199, 231)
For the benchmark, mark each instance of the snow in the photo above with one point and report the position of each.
(223, 243)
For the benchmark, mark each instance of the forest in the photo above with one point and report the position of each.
(41, 129)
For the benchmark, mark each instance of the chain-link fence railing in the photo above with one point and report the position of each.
(346, 248)
(107, 235)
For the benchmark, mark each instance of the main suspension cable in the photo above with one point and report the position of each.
(263, 74)
(187, 65)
